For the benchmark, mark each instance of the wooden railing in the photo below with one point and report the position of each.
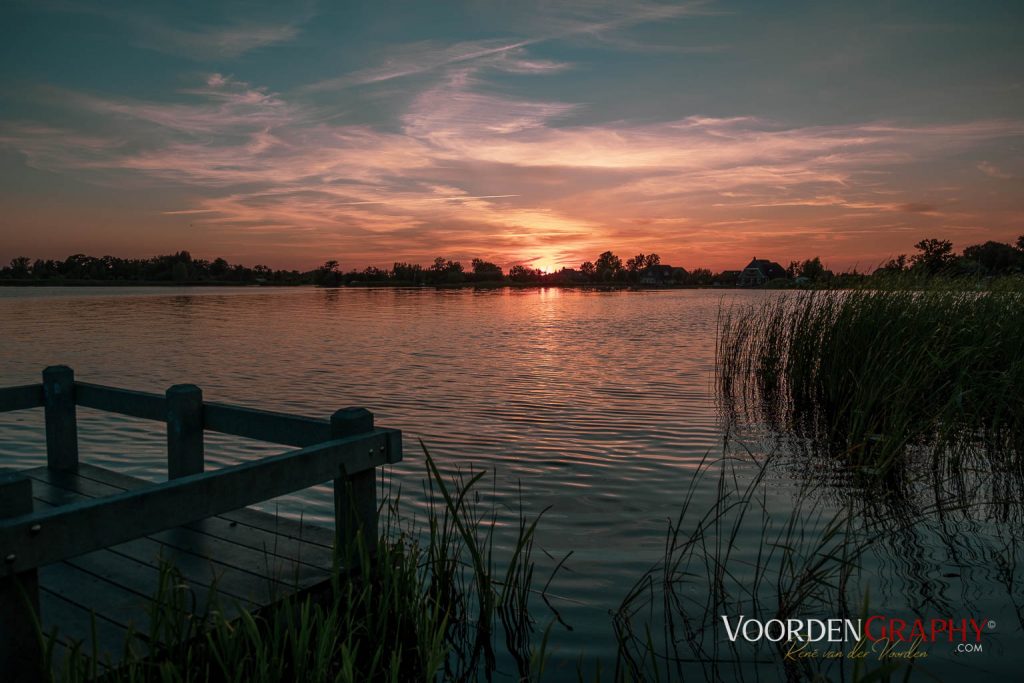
(345, 449)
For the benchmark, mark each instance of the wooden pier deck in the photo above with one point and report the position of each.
(85, 549)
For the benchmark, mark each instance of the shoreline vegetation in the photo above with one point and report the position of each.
(935, 258)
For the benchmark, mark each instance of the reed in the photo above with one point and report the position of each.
(807, 563)
(875, 376)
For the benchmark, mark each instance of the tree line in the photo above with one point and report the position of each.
(177, 267)
(607, 268)
(934, 257)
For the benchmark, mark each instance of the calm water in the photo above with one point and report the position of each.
(597, 404)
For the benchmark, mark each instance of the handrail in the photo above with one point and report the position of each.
(21, 398)
(265, 425)
(140, 404)
(250, 423)
(31, 540)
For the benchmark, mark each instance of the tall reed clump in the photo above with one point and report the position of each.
(432, 607)
(874, 374)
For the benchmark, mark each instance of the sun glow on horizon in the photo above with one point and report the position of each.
(547, 264)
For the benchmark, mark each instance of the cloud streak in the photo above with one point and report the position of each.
(570, 20)
(468, 171)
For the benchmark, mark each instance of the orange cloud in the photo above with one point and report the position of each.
(470, 172)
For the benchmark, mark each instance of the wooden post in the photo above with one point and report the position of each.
(21, 653)
(184, 430)
(355, 496)
(61, 425)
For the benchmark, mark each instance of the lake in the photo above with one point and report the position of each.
(596, 405)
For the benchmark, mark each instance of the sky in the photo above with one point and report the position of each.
(528, 132)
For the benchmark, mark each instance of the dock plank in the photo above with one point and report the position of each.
(236, 571)
(143, 578)
(111, 602)
(283, 537)
(77, 626)
(250, 558)
(198, 570)
(246, 549)
(309, 534)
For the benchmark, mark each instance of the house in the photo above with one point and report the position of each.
(760, 271)
(658, 275)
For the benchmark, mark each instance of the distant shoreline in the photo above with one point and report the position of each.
(387, 285)
(142, 283)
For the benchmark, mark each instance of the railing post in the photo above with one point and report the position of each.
(355, 496)
(61, 425)
(184, 430)
(21, 654)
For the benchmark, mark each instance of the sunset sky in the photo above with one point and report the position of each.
(521, 132)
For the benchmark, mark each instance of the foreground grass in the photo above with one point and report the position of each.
(444, 603)
(806, 562)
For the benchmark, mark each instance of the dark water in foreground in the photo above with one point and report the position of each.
(597, 404)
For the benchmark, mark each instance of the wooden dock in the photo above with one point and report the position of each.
(85, 548)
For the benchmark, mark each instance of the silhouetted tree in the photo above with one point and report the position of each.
(699, 276)
(635, 265)
(367, 274)
(219, 268)
(445, 271)
(994, 257)
(485, 271)
(565, 276)
(521, 273)
(727, 278)
(19, 267)
(813, 270)
(407, 272)
(608, 266)
(936, 255)
(895, 265)
(328, 274)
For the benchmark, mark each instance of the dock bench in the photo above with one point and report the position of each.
(84, 549)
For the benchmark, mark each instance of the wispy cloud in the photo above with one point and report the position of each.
(993, 171)
(224, 41)
(565, 20)
(417, 58)
(227, 106)
(473, 172)
(151, 28)
(454, 112)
